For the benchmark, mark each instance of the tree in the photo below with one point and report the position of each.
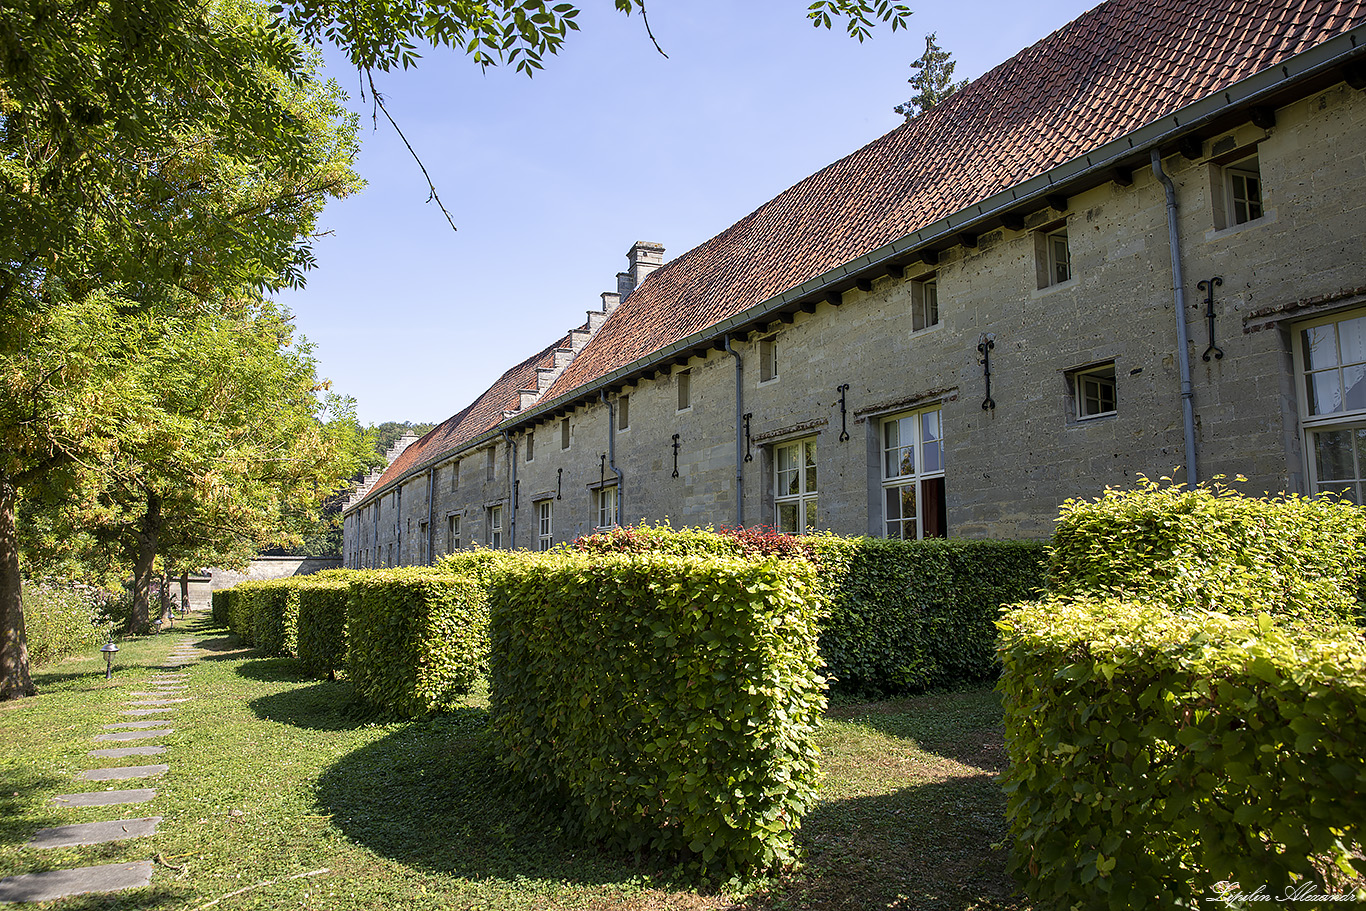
(933, 80)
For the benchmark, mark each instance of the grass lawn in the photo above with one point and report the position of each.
(279, 788)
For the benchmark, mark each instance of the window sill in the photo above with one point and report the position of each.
(934, 327)
(1092, 419)
(1214, 234)
(1060, 286)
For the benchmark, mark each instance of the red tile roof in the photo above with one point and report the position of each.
(1120, 66)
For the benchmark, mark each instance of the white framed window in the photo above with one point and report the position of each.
(1094, 392)
(684, 380)
(607, 504)
(530, 445)
(795, 486)
(452, 534)
(1330, 359)
(545, 533)
(1056, 258)
(495, 527)
(768, 359)
(1243, 191)
(623, 412)
(564, 433)
(924, 304)
(913, 505)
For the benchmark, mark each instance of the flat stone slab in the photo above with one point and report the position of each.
(128, 771)
(119, 736)
(42, 887)
(169, 691)
(120, 725)
(124, 752)
(94, 833)
(104, 798)
(160, 701)
(146, 711)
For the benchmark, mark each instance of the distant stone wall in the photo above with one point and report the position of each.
(270, 568)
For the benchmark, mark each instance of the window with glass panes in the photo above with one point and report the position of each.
(1330, 356)
(495, 526)
(794, 486)
(452, 534)
(608, 515)
(544, 532)
(913, 476)
(1243, 183)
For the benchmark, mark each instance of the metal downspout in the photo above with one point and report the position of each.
(512, 490)
(612, 448)
(431, 477)
(739, 444)
(1182, 345)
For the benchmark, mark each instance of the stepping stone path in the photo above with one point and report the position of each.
(162, 692)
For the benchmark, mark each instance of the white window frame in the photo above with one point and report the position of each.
(1088, 384)
(1337, 381)
(1236, 176)
(924, 303)
(1055, 263)
(545, 531)
(452, 534)
(607, 503)
(926, 463)
(768, 359)
(495, 529)
(805, 496)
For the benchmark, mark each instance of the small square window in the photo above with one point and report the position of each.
(768, 359)
(924, 304)
(1059, 257)
(684, 378)
(1243, 190)
(624, 412)
(1093, 391)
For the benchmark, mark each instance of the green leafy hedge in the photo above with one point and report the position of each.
(417, 638)
(1213, 548)
(1156, 752)
(670, 702)
(219, 601)
(322, 624)
(59, 621)
(906, 616)
(241, 610)
(275, 617)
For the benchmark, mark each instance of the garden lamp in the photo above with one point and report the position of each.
(109, 648)
(157, 623)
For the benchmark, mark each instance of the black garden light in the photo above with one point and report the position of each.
(109, 648)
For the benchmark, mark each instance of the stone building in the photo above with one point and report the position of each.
(1135, 247)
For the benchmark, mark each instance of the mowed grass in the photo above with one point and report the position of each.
(282, 796)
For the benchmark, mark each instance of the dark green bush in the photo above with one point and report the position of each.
(906, 616)
(241, 610)
(1156, 752)
(322, 624)
(275, 617)
(219, 600)
(669, 703)
(1213, 548)
(479, 563)
(417, 638)
(60, 620)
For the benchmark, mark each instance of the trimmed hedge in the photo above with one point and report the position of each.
(1156, 752)
(907, 616)
(275, 617)
(669, 703)
(322, 624)
(417, 638)
(219, 601)
(1213, 548)
(241, 609)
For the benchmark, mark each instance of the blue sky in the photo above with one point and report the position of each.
(551, 179)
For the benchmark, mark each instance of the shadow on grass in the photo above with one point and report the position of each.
(158, 896)
(928, 846)
(24, 807)
(323, 706)
(272, 670)
(433, 796)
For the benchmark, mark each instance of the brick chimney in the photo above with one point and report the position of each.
(644, 257)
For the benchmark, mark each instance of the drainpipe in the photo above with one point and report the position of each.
(1182, 346)
(512, 490)
(739, 421)
(612, 448)
(431, 476)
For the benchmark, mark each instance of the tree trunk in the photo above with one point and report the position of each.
(165, 581)
(185, 591)
(144, 560)
(14, 675)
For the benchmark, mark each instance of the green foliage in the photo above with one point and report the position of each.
(417, 638)
(906, 616)
(669, 703)
(275, 617)
(480, 563)
(1213, 548)
(242, 610)
(219, 601)
(1156, 752)
(322, 624)
(61, 620)
(933, 79)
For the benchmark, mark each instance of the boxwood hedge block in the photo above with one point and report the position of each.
(218, 601)
(1156, 752)
(275, 617)
(322, 625)
(417, 638)
(669, 703)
